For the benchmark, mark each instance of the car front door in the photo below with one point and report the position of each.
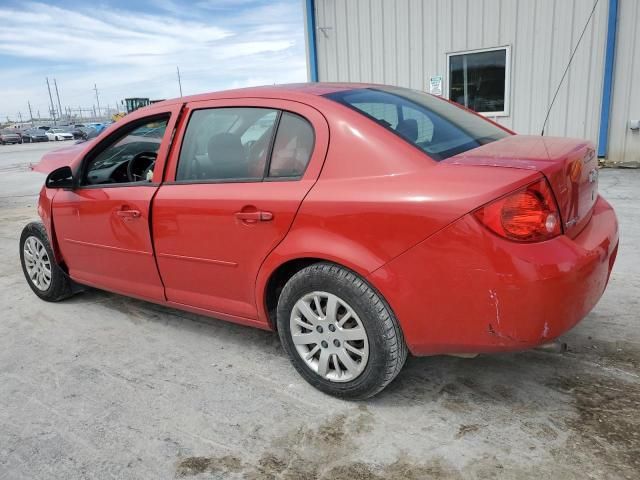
(102, 225)
(233, 188)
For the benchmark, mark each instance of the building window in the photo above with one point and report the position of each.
(479, 80)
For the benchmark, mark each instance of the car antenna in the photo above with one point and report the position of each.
(546, 119)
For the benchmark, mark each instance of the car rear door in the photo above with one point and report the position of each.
(102, 225)
(234, 183)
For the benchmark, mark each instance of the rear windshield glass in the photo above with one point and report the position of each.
(436, 127)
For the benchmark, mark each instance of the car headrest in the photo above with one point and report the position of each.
(408, 128)
(225, 148)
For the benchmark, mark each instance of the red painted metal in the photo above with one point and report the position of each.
(369, 201)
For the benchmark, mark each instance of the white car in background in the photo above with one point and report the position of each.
(59, 134)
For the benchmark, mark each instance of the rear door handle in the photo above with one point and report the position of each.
(254, 216)
(128, 213)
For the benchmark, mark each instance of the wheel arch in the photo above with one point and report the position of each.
(276, 272)
(45, 212)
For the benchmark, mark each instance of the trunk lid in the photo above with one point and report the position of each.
(570, 166)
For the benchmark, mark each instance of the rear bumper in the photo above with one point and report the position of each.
(466, 290)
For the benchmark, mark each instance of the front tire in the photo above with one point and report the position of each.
(339, 333)
(44, 276)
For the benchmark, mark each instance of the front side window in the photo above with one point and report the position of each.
(130, 158)
(226, 143)
(433, 125)
(478, 80)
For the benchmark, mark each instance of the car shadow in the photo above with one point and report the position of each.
(494, 379)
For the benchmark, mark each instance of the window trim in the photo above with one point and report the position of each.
(114, 137)
(507, 77)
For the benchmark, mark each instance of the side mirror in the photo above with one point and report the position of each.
(60, 178)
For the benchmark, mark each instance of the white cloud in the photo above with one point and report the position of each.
(133, 54)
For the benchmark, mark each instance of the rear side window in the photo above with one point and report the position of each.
(292, 148)
(226, 144)
(438, 128)
(385, 113)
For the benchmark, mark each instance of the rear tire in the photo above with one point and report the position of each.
(47, 280)
(373, 361)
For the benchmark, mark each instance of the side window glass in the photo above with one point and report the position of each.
(130, 158)
(292, 148)
(415, 126)
(226, 143)
(385, 113)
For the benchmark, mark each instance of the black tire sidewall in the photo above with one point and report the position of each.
(342, 283)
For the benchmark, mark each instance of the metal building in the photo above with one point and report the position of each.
(503, 58)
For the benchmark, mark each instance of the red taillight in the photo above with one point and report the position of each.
(527, 215)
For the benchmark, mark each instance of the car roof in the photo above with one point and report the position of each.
(291, 91)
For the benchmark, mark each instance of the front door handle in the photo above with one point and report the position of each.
(252, 217)
(128, 213)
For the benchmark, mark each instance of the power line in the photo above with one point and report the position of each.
(546, 119)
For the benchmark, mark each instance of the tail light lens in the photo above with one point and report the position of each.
(527, 215)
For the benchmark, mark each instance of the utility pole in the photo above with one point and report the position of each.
(20, 116)
(80, 110)
(94, 112)
(30, 113)
(55, 83)
(53, 111)
(179, 82)
(95, 87)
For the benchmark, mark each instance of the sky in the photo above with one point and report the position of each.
(131, 48)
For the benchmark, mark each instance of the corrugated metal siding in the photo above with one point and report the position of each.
(405, 42)
(624, 144)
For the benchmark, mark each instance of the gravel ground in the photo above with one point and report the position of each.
(103, 386)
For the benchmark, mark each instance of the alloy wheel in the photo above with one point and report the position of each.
(37, 263)
(329, 336)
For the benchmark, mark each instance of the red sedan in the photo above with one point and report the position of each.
(359, 221)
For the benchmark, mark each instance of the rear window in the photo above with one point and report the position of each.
(436, 127)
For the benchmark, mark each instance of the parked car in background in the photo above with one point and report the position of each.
(77, 132)
(34, 135)
(44, 127)
(98, 126)
(9, 135)
(361, 222)
(82, 134)
(57, 133)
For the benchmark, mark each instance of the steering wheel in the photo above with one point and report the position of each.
(140, 165)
